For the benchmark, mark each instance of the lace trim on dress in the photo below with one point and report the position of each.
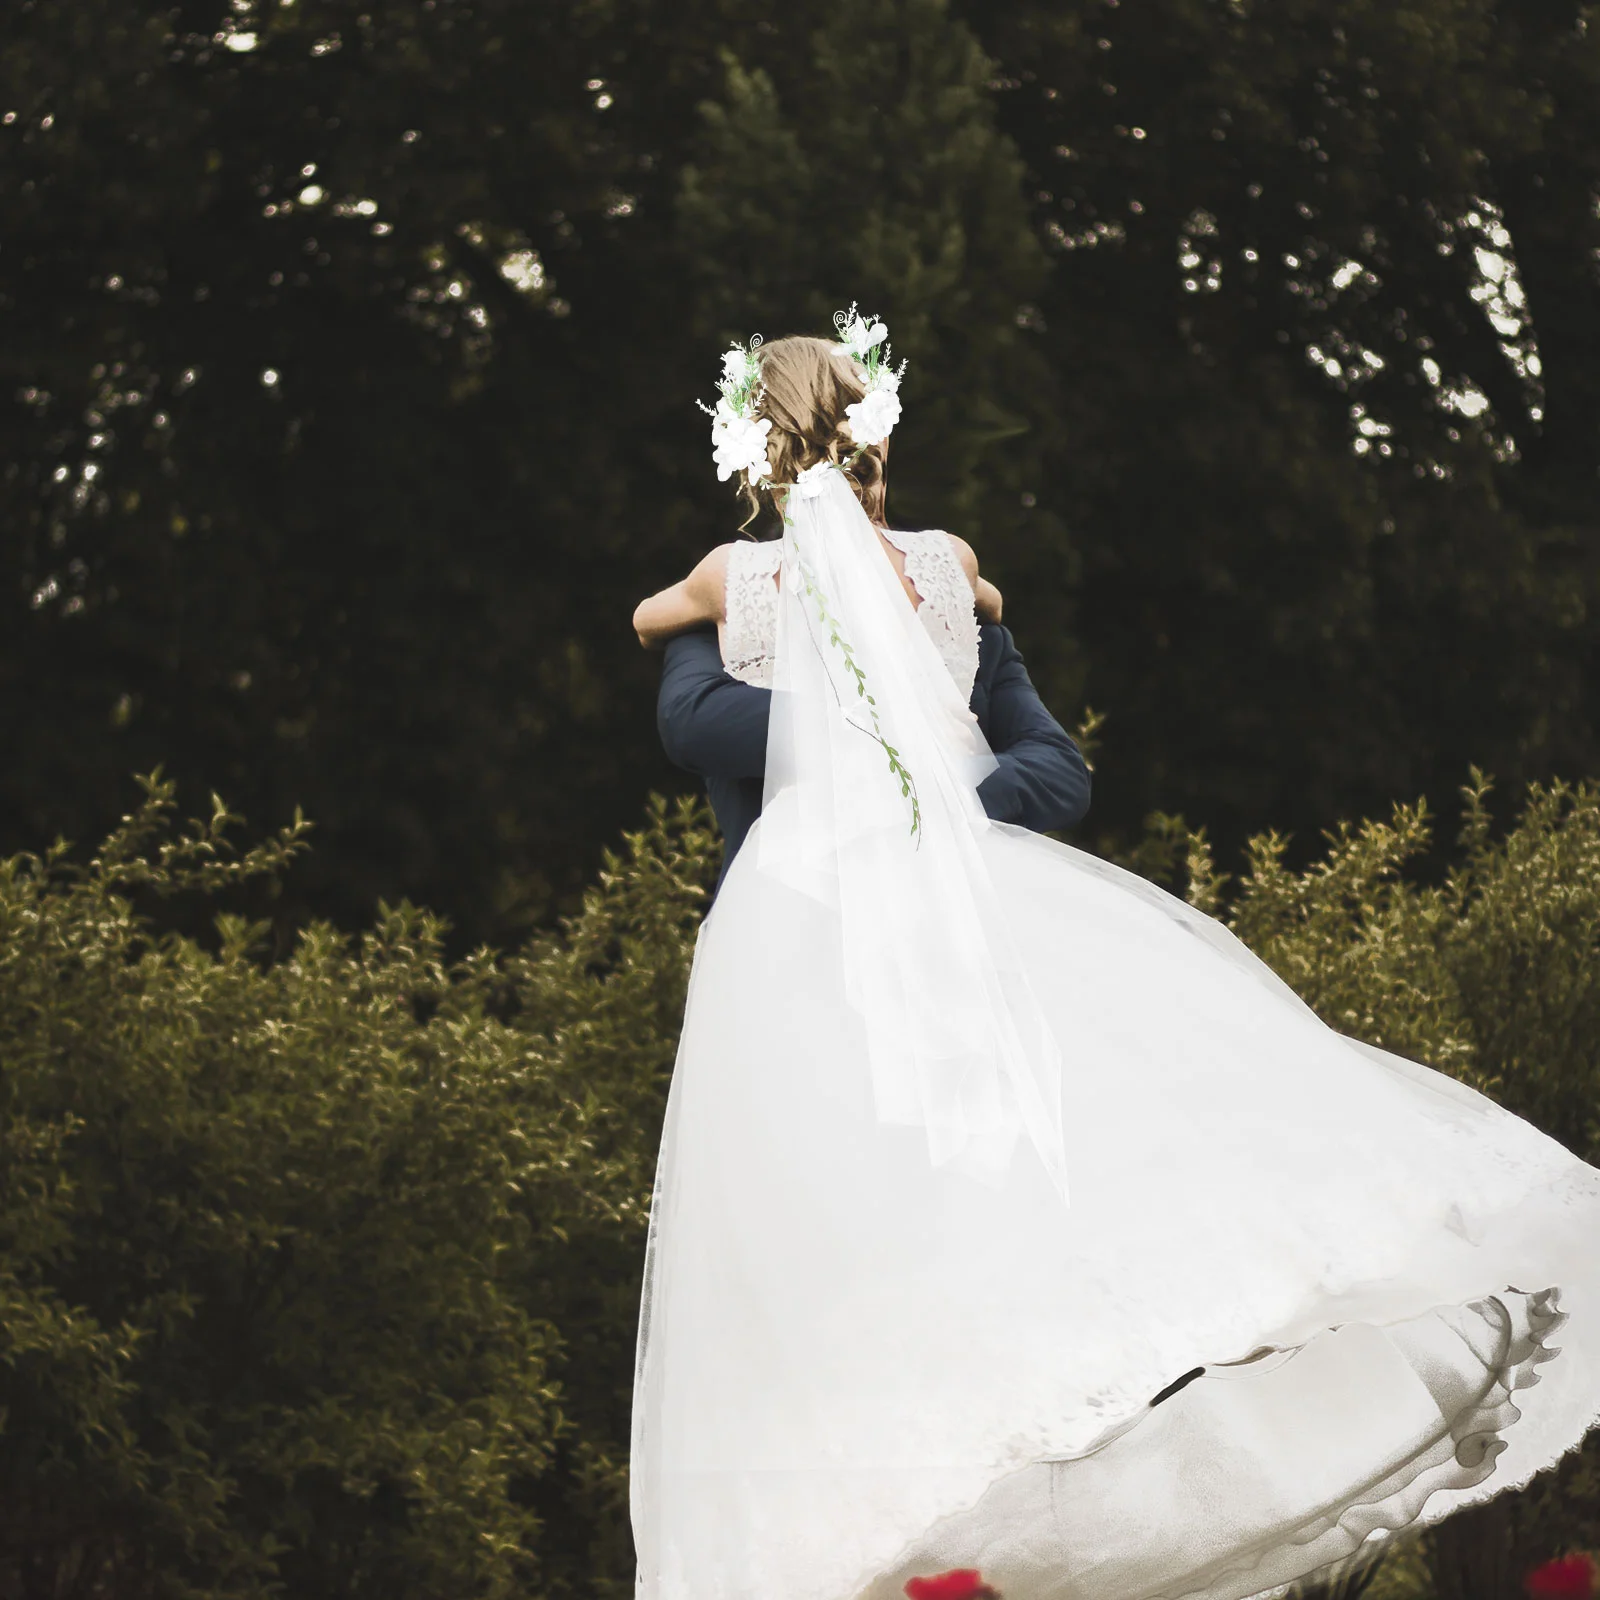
(751, 606)
(948, 608)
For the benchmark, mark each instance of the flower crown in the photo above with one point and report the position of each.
(739, 437)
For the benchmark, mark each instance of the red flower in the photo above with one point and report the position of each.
(1568, 1578)
(965, 1583)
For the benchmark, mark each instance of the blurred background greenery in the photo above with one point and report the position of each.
(347, 390)
(349, 361)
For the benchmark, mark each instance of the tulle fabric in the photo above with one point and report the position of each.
(859, 1362)
(873, 762)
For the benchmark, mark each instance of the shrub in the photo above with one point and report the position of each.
(291, 1252)
(319, 1275)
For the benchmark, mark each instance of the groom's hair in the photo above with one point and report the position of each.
(806, 387)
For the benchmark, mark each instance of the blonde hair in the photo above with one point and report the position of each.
(805, 387)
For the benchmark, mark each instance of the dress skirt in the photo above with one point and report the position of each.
(1306, 1293)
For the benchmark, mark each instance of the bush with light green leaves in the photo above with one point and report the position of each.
(319, 1274)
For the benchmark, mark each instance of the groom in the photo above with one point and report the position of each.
(714, 725)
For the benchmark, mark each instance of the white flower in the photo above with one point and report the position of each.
(814, 480)
(871, 419)
(738, 443)
(859, 337)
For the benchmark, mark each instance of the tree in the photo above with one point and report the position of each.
(281, 394)
(345, 426)
(1325, 304)
(857, 157)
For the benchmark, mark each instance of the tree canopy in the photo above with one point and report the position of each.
(350, 355)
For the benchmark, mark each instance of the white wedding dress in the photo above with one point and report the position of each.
(976, 1145)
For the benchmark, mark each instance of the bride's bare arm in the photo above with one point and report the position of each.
(686, 604)
(986, 597)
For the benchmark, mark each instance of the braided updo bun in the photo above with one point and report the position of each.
(806, 384)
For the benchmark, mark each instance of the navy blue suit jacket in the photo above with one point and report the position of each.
(713, 725)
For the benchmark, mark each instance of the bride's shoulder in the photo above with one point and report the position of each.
(965, 554)
(739, 560)
(716, 558)
(740, 552)
(988, 602)
(712, 567)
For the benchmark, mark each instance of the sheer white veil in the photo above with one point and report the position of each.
(871, 807)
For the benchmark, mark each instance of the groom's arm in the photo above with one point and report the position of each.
(709, 722)
(715, 726)
(1042, 781)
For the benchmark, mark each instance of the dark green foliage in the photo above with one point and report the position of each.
(393, 584)
(807, 182)
(328, 521)
(1245, 201)
(319, 1274)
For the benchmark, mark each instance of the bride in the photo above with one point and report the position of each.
(1015, 1229)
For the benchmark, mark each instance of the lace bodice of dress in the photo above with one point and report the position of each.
(749, 637)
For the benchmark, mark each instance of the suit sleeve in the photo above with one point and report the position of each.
(709, 722)
(1042, 781)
